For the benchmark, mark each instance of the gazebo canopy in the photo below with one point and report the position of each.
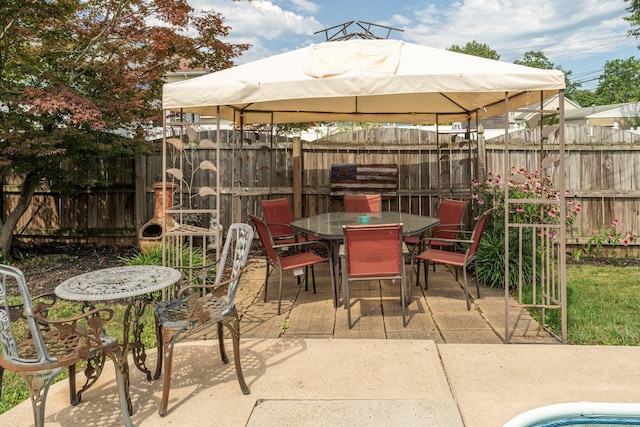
(364, 81)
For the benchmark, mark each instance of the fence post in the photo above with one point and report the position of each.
(297, 177)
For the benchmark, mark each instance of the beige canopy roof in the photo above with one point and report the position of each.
(365, 81)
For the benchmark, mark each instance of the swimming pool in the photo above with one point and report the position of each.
(579, 414)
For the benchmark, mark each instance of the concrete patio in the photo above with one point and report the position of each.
(448, 367)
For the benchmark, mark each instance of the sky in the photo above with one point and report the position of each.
(578, 35)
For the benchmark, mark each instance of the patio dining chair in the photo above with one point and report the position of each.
(49, 345)
(198, 306)
(450, 214)
(278, 215)
(453, 258)
(279, 256)
(373, 252)
(362, 203)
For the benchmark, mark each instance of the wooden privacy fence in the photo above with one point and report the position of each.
(602, 172)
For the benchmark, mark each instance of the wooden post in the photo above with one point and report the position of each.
(297, 177)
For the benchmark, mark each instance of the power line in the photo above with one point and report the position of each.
(542, 46)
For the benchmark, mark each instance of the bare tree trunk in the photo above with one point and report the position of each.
(29, 186)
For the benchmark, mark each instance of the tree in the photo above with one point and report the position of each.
(476, 49)
(634, 17)
(81, 80)
(585, 98)
(619, 82)
(537, 59)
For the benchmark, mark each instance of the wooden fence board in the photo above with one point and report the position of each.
(602, 168)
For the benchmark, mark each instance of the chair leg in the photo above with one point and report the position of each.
(167, 355)
(159, 357)
(38, 384)
(417, 273)
(466, 291)
(313, 278)
(426, 274)
(73, 394)
(223, 351)
(476, 275)
(347, 302)
(233, 325)
(280, 292)
(266, 282)
(403, 301)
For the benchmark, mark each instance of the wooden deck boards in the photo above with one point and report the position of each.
(438, 313)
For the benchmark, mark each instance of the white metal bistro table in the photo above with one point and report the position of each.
(328, 226)
(135, 284)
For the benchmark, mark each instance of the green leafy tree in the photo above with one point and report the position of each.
(476, 49)
(619, 82)
(536, 59)
(585, 98)
(81, 80)
(634, 17)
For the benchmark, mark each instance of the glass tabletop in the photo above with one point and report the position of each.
(329, 225)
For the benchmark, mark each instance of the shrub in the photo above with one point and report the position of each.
(491, 260)
(153, 256)
(490, 194)
(606, 236)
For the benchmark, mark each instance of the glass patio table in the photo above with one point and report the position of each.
(328, 226)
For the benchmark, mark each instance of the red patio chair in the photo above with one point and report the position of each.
(450, 214)
(278, 215)
(302, 258)
(362, 203)
(455, 259)
(373, 252)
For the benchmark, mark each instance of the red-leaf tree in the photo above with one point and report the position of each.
(81, 81)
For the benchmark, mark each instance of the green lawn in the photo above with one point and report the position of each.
(603, 305)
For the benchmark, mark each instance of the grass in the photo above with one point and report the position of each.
(603, 303)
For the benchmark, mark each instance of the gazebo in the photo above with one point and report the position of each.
(384, 81)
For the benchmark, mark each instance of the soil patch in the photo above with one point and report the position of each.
(47, 265)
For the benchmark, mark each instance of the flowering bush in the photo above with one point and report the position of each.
(607, 236)
(522, 185)
(490, 194)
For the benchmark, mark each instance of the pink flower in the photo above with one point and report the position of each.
(552, 214)
(480, 202)
(519, 209)
(615, 223)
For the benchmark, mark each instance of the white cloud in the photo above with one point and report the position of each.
(305, 6)
(515, 27)
(262, 24)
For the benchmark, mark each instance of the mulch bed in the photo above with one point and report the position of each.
(47, 265)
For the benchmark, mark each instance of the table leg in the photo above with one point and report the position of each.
(137, 347)
(334, 246)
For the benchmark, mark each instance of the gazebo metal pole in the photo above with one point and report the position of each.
(217, 221)
(562, 255)
(506, 159)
